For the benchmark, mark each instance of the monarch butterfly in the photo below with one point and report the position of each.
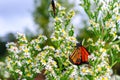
(79, 55)
(53, 7)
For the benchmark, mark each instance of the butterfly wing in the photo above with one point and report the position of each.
(85, 54)
(75, 58)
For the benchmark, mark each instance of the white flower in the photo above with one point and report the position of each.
(36, 70)
(49, 47)
(102, 50)
(58, 19)
(6, 74)
(19, 72)
(22, 37)
(24, 79)
(37, 47)
(100, 42)
(90, 40)
(61, 8)
(52, 62)
(41, 38)
(2, 64)
(92, 57)
(27, 55)
(90, 29)
(43, 62)
(33, 42)
(46, 47)
(115, 46)
(48, 67)
(10, 44)
(19, 63)
(84, 70)
(45, 38)
(72, 39)
(74, 74)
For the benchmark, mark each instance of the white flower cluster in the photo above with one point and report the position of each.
(104, 26)
(3, 72)
(27, 59)
(22, 59)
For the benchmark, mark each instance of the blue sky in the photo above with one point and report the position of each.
(16, 15)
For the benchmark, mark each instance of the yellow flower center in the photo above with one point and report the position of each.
(26, 50)
(104, 78)
(83, 70)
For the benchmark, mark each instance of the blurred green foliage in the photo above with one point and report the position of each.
(10, 37)
(42, 17)
(2, 50)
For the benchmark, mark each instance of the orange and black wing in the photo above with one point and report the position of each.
(75, 58)
(84, 54)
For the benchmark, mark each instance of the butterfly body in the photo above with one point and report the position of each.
(79, 55)
(53, 7)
